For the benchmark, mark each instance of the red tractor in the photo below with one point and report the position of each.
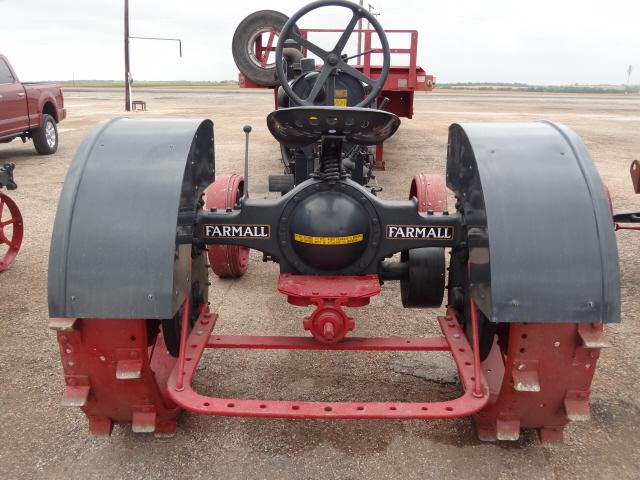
(528, 271)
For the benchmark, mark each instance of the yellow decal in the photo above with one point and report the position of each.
(358, 237)
(339, 102)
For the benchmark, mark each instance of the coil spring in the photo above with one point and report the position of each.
(330, 169)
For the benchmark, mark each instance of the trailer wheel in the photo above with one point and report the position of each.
(11, 231)
(243, 46)
(227, 261)
(45, 138)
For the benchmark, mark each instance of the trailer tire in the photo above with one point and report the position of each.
(243, 48)
(45, 137)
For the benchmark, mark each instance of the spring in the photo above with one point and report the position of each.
(330, 169)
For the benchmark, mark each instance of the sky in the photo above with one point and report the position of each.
(535, 42)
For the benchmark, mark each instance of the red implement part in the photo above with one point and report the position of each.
(541, 380)
(430, 191)
(453, 339)
(328, 323)
(635, 175)
(226, 260)
(114, 376)
(11, 231)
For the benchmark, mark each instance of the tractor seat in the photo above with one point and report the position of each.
(305, 125)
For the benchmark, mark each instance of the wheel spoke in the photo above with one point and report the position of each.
(312, 47)
(7, 222)
(354, 72)
(344, 38)
(319, 83)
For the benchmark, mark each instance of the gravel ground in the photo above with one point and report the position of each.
(38, 439)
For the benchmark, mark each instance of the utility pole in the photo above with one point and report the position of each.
(127, 69)
(360, 32)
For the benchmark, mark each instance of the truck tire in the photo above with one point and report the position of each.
(45, 138)
(243, 43)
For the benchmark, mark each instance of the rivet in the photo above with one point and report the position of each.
(521, 366)
(102, 358)
(150, 296)
(456, 335)
(556, 344)
(71, 363)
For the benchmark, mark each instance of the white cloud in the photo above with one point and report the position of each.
(536, 42)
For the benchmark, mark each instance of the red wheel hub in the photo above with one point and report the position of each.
(226, 260)
(11, 231)
(430, 191)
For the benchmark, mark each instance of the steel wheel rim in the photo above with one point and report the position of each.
(251, 48)
(14, 240)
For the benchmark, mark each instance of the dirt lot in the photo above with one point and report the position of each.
(38, 439)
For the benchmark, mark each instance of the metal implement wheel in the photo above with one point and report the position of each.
(11, 231)
(227, 261)
(333, 60)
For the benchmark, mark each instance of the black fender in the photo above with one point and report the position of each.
(541, 238)
(131, 189)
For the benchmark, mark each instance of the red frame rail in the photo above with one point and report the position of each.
(474, 384)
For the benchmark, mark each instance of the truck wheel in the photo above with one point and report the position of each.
(45, 138)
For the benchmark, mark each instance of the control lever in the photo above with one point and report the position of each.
(383, 103)
(247, 130)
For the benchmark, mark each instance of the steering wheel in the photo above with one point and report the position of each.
(333, 60)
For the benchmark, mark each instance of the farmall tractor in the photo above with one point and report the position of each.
(11, 226)
(527, 257)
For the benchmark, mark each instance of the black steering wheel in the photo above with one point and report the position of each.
(333, 60)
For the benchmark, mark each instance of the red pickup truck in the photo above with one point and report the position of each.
(29, 110)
